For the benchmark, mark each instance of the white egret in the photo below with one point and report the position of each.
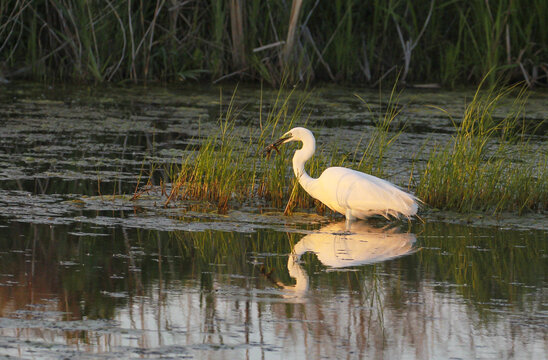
(349, 192)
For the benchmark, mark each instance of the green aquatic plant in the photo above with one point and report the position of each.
(228, 166)
(489, 165)
(381, 138)
(213, 173)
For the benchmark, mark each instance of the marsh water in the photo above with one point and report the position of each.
(87, 273)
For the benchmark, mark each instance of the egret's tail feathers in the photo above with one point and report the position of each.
(402, 204)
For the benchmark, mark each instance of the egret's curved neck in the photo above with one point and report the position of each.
(295, 270)
(301, 157)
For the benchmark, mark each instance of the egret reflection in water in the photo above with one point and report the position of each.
(336, 247)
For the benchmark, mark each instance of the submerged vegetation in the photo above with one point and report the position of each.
(489, 165)
(447, 43)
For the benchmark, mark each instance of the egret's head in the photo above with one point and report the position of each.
(295, 134)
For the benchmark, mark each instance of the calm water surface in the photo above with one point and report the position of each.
(448, 292)
(87, 275)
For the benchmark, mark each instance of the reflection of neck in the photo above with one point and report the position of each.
(298, 273)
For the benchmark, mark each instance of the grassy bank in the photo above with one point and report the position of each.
(489, 165)
(447, 43)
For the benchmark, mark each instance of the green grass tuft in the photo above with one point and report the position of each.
(489, 165)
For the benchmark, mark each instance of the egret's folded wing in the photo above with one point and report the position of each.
(366, 194)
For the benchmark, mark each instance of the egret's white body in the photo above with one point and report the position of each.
(349, 192)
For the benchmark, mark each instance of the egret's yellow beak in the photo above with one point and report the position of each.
(274, 146)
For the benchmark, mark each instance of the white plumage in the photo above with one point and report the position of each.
(349, 192)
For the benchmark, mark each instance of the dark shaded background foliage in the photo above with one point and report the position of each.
(344, 41)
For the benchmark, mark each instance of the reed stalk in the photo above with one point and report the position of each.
(291, 32)
(237, 27)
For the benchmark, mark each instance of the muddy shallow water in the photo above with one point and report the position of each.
(87, 274)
